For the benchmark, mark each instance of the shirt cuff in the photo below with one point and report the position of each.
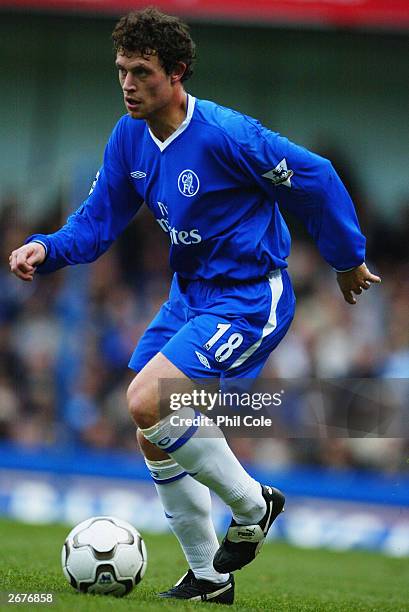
(349, 269)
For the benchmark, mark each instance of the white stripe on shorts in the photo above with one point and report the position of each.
(276, 286)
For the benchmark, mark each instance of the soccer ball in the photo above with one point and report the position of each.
(104, 555)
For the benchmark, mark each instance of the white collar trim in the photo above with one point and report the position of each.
(190, 101)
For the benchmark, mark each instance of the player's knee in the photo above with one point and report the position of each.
(140, 405)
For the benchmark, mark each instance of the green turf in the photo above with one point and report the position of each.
(282, 577)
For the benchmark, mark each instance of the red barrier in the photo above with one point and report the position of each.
(350, 13)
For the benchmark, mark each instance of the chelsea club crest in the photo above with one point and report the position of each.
(188, 183)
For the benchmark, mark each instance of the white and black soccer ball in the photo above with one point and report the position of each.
(104, 555)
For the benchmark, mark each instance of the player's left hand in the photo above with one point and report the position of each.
(354, 281)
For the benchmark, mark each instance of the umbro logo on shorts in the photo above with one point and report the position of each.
(138, 174)
(203, 359)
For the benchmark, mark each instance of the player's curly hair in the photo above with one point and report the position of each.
(149, 31)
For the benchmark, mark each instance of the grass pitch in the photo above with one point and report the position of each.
(282, 578)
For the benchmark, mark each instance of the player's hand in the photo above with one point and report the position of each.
(354, 281)
(23, 261)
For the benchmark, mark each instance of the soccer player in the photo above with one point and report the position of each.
(215, 181)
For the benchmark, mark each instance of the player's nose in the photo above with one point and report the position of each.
(128, 84)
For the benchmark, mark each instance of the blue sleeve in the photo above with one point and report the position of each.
(306, 185)
(111, 204)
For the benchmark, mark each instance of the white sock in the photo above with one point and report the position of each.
(203, 452)
(187, 507)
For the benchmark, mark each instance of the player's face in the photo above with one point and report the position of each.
(146, 87)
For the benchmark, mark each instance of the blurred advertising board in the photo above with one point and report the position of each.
(335, 509)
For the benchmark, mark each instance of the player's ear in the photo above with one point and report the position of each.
(178, 72)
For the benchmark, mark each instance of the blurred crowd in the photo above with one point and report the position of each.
(65, 339)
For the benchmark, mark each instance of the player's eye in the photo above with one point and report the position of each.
(140, 72)
(122, 72)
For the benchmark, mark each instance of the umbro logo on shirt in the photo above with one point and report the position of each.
(138, 174)
(280, 175)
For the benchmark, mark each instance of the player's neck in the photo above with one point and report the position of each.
(168, 119)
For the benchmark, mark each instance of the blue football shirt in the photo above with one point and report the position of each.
(216, 187)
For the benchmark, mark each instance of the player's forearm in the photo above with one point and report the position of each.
(75, 243)
(339, 238)
(63, 252)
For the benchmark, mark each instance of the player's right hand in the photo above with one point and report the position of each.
(24, 260)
